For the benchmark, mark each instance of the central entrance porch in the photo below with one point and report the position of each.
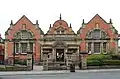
(60, 55)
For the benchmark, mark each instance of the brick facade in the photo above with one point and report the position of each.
(98, 23)
(24, 24)
(19, 26)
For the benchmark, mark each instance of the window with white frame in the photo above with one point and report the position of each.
(97, 47)
(24, 34)
(104, 47)
(97, 34)
(17, 47)
(24, 47)
(89, 47)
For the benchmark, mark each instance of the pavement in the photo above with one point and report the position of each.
(8, 73)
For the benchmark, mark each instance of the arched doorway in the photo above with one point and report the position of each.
(60, 49)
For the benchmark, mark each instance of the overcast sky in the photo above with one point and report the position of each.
(48, 11)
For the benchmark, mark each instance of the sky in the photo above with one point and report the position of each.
(48, 11)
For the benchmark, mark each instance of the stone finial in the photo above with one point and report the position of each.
(83, 21)
(60, 17)
(50, 26)
(70, 25)
(37, 22)
(110, 21)
(11, 23)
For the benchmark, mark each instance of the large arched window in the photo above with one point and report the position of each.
(24, 34)
(100, 44)
(97, 34)
(22, 46)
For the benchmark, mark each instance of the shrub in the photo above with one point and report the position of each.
(2, 68)
(94, 63)
(116, 56)
(111, 62)
(21, 62)
(99, 57)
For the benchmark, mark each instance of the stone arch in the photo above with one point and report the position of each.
(24, 34)
(103, 34)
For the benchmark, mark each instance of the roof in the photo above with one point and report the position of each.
(97, 15)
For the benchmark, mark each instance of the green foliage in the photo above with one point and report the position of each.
(21, 62)
(111, 51)
(2, 68)
(13, 68)
(116, 56)
(94, 63)
(111, 62)
(99, 57)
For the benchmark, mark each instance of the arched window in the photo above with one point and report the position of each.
(60, 30)
(97, 46)
(97, 34)
(24, 34)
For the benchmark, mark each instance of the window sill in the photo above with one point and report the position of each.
(96, 53)
(20, 53)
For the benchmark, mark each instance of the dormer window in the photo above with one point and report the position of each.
(62, 31)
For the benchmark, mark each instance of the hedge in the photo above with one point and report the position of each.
(111, 62)
(102, 63)
(99, 57)
(21, 62)
(94, 63)
(13, 68)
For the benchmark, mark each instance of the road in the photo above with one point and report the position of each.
(76, 75)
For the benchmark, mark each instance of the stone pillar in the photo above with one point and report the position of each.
(6, 49)
(28, 46)
(78, 53)
(92, 47)
(19, 48)
(53, 53)
(34, 53)
(107, 47)
(45, 62)
(65, 55)
(101, 47)
(84, 61)
(86, 46)
(29, 60)
(41, 53)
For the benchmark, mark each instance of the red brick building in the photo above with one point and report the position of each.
(20, 37)
(96, 36)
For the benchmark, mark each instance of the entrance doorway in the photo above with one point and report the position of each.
(59, 54)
